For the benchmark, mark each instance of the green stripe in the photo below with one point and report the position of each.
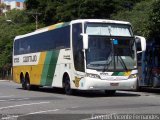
(121, 73)
(52, 67)
(118, 74)
(62, 25)
(49, 68)
(115, 73)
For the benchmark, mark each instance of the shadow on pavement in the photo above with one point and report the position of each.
(151, 90)
(89, 94)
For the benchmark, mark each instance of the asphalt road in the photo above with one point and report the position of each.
(53, 104)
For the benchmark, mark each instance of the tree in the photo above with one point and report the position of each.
(2, 7)
(8, 31)
(138, 17)
(125, 4)
(54, 11)
(46, 8)
(155, 21)
(84, 9)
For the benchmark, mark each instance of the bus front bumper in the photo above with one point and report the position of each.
(97, 84)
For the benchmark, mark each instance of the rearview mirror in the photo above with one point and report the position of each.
(141, 44)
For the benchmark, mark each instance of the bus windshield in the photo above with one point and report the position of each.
(111, 54)
(108, 29)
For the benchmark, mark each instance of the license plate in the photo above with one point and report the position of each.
(114, 84)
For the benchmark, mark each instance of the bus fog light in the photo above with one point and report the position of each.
(92, 75)
(133, 76)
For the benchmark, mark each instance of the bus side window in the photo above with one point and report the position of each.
(21, 50)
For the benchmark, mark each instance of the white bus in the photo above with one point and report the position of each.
(87, 54)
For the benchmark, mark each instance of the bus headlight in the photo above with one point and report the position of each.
(92, 75)
(133, 76)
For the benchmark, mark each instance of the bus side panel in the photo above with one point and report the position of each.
(49, 68)
(40, 74)
(63, 66)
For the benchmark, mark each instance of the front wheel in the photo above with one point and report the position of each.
(67, 86)
(137, 87)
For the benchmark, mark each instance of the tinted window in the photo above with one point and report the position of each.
(50, 40)
(78, 54)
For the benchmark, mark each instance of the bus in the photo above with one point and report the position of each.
(149, 74)
(84, 54)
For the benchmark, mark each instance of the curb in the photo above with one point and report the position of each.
(5, 80)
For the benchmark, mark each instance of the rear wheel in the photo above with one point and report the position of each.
(23, 83)
(27, 84)
(110, 92)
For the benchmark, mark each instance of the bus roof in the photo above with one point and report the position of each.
(99, 20)
(62, 24)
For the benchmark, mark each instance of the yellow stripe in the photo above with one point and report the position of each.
(35, 71)
(127, 73)
(54, 26)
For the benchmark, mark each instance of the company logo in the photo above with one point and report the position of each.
(104, 74)
(76, 81)
(30, 58)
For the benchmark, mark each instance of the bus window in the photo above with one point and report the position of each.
(78, 54)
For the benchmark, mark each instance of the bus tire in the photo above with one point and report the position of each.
(67, 86)
(22, 81)
(110, 92)
(27, 83)
(137, 87)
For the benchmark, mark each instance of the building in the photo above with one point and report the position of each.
(1, 1)
(1, 7)
(10, 5)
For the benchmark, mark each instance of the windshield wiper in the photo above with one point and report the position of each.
(110, 57)
(122, 63)
(108, 62)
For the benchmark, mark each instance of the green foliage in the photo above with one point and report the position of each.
(125, 4)
(47, 8)
(54, 11)
(17, 16)
(32, 4)
(18, 25)
(80, 9)
(138, 16)
(155, 20)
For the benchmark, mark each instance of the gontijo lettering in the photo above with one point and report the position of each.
(30, 58)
